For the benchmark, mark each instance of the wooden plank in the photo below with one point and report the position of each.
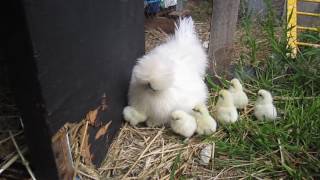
(67, 58)
(223, 26)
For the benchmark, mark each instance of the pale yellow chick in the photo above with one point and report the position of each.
(226, 112)
(240, 98)
(183, 123)
(205, 123)
(132, 116)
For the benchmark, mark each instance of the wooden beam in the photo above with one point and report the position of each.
(223, 26)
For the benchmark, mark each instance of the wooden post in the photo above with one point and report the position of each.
(223, 26)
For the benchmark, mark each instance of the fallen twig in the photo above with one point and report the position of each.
(11, 161)
(24, 161)
(80, 150)
(6, 139)
(87, 175)
(281, 153)
(212, 154)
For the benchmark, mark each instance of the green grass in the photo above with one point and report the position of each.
(290, 146)
(175, 166)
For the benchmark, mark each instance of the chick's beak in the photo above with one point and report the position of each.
(221, 96)
(150, 87)
(195, 110)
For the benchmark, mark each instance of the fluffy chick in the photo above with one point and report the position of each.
(205, 123)
(226, 112)
(132, 116)
(240, 98)
(264, 108)
(183, 123)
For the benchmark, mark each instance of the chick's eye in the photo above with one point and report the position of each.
(221, 96)
(196, 110)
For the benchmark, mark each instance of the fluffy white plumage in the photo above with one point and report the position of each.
(206, 154)
(226, 112)
(205, 123)
(170, 77)
(183, 123)
(133, 116)
(240, 98)
(264, 108)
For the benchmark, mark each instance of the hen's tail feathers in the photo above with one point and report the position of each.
(185, 29)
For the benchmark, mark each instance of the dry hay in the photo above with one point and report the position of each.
(141, 153)
(150, 153)
(155, 37)
(147, 153)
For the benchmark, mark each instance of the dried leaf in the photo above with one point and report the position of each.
(92, 117)
(103, 130)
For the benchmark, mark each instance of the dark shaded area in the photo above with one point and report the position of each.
(17, 52)
(62, 56)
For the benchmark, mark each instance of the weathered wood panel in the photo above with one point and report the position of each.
(223, 26)
(63, 56)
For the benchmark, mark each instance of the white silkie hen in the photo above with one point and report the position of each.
(264, 108)
(240, 98)
(170, 77)
(183, 123)
(205, 123)
(226, 112)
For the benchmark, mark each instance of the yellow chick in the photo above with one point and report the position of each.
(183, 123)
(264, 108)
(132, 116)
(240, 98)
(205, 123)
(226, 112)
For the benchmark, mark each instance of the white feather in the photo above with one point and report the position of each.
(170, 77)
(205, 154)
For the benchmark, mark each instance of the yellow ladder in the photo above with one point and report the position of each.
(292, 16)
